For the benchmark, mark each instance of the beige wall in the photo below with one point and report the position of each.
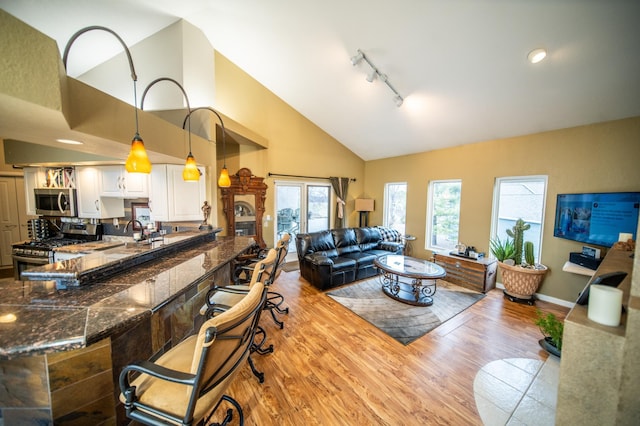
(296, 145)
(596, 158)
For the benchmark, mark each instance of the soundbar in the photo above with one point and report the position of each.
(586, 261)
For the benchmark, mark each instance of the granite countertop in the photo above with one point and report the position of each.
(98, 264)
(37, 317)
(90, 247)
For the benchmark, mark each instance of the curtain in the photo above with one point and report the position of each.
(340, 186)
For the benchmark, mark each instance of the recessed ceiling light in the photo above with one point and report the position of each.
(537, 55)
(69, 141)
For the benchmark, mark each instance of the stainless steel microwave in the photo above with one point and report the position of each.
(56, 202)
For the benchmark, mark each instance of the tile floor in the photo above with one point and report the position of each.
(517, 392)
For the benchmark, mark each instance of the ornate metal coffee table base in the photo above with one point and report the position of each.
(414, 291)
(407, 279)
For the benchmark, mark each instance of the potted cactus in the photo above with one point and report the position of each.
(521, 275)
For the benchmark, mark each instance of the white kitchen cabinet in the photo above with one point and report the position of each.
(171, 199)
(33, 178)
(91, 203)
(116, 182)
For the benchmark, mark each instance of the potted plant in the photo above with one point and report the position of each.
(521, 276)
(551, 328)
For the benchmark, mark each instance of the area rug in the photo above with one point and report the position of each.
(402, 321)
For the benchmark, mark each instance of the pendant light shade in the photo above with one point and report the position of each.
(137, 161)
(191, 172)
(224, 181)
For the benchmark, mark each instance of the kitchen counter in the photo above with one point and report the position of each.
(38, 317)
(62, 350)
(88, 248)
(99, 264)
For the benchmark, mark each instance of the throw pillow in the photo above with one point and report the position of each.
(389, 234)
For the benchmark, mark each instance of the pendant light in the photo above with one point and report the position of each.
(223, 181)
(137, 161)
(191, 173)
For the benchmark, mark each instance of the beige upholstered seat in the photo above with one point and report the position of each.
(221, 298)
(274, 300)
(188, 382)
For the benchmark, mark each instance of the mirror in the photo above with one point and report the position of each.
(244, 211)
(243, 205)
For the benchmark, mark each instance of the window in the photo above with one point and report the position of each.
(520, 197)
(443, 218)
(395, 206)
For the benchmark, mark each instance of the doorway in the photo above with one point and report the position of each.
(9, 217)
(300, 208)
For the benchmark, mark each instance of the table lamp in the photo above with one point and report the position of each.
(364, 206)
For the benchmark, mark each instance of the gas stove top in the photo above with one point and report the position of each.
(71, 233)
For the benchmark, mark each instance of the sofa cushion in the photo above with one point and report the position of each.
(368, 238)
(319, 242)
(340, 263)
(389, 234)
(345, 240)
(363, 258)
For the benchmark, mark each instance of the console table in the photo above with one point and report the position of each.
(479, 275)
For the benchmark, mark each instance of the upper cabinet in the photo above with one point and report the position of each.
(171, 199)
(116, 182)
(91, 203)
(33, 178)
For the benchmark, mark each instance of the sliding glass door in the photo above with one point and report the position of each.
(301, 207)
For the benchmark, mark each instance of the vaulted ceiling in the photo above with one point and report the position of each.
(460, 65)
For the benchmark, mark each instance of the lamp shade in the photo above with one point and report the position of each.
(364, 204)
(224, 181)
(137, 161)
(190, 173)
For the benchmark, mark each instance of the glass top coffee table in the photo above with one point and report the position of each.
(409, 280)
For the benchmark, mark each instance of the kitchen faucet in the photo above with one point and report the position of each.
(133, 220)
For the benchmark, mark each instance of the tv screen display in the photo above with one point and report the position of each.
(597, 218)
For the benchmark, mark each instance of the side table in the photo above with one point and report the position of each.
(408, 249)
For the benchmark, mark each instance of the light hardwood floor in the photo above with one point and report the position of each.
(330, 367)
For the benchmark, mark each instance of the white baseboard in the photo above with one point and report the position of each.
(546, 298)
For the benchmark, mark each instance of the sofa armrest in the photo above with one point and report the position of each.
(319, 259)
(391, 246)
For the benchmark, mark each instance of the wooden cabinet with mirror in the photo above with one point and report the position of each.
(243, 205)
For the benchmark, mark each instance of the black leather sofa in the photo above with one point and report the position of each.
(340, 256)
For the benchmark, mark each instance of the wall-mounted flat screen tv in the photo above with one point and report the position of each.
(597, 218)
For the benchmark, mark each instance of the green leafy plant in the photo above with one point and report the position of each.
(502, 250)
(551, 327)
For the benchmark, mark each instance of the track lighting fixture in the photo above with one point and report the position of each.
(360, 56)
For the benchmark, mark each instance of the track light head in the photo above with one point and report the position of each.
(399, 101)
(372, 76)
(355, 59)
